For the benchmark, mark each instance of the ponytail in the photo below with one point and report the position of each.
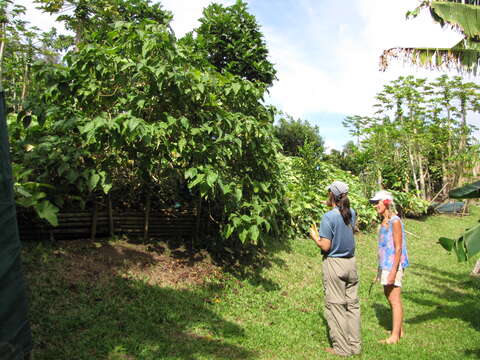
(343, 204)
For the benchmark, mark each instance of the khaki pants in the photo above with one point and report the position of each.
(342, 307)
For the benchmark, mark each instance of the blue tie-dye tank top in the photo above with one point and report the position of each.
(386, 248)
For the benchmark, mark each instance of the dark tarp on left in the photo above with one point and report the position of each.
(15, 335)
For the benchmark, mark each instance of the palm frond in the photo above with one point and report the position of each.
(464, 18)
(462, 60)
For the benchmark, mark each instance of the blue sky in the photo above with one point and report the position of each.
(326, 52)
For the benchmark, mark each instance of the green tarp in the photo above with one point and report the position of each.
(15, 336)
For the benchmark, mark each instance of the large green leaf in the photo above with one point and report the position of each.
(472, 240)
(459, 249)
(446, 243)
(466, 246)
(463, 17)
(46, 210)
(469, 191)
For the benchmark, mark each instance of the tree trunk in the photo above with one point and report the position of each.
(446, 164)
(412, 165)
(445, 179)
(421, 176)
(379, 179)
(428, 184)
(24, 86)
(462, 146)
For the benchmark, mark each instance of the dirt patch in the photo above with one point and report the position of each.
(84, 260)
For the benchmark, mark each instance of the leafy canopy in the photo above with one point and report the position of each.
(293, 134)
(231, 38)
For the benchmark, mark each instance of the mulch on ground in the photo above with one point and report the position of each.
(157, 264)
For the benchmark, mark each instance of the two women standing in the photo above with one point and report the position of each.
(340, 275)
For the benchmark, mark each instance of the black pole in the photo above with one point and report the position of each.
(15, 334)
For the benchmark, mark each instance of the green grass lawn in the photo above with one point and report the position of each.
(134, 304)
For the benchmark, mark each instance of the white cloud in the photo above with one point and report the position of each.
(331, 144)
(39, 19)
(187, 12)
(304, 87)
(301, 87)
(386, 26)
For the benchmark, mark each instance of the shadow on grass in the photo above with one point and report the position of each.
(326, 327)
(475, 354)
(434, 273)
(244, 262)
(384, 316)
(447, 302)
(99, 314)
(466, 308)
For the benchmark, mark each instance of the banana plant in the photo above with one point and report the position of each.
(468, 244)
(464, 56)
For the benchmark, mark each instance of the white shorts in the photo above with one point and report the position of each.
(382, 276)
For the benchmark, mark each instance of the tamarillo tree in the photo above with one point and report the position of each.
(132, 99)
(232, 41)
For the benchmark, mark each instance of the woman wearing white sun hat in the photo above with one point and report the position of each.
(340, 276)
(392, 259)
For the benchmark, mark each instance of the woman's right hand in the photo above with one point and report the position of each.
(313, 232)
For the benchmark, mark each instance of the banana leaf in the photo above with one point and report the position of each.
(459, 249)
(463, 57)
(472, 240)
(469, 191)
(462, 17)
(458, 58)
(446, 243)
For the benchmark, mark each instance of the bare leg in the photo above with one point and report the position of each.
(393, 295)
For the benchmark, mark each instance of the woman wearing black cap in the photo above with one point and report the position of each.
(340, 277)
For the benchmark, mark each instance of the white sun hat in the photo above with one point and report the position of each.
(381, 195)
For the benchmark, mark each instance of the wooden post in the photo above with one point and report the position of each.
(110, 216)
(197, 224)
(93, 232)
(147, 216)
(465, 207)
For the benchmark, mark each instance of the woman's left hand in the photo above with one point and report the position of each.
(391, 278)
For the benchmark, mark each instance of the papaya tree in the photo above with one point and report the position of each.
(418, 140)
